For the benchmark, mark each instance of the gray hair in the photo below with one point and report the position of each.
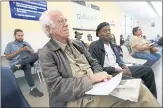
(46, 21)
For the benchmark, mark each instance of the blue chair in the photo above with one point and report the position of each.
(11, 95)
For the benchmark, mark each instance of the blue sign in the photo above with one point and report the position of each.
(28, 10)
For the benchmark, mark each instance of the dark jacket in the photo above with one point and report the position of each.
(97, 51)
(61, 84)
(122, 41)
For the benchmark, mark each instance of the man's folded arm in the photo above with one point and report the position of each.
(109, 69)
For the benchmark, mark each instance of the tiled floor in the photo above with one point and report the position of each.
(33, 101)
(43, 101)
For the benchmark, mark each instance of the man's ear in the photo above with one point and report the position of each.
(48, 29)
(99, 34)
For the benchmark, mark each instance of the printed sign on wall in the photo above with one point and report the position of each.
(86, 16)
(28, 10)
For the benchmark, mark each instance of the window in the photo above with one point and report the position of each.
(128, 29)
(128, 21)
(127, 24)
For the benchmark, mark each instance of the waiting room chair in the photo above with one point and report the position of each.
(38, 71)
(11, 95)
(129, 58)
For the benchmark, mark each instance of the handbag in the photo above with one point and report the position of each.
(153, 49)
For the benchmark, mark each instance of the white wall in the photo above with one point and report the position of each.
(150, 31)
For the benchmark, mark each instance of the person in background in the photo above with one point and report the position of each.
(78, 37)
(113, 39)
(89, 40)
(144, 37)
(21, 57)
(157, 38)
(103, 51)
(141, 48)
(70, 71)
(121, 40)
(160, 41)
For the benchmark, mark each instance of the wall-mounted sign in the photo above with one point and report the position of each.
(28, 10)
(85, 16)
(112, 23)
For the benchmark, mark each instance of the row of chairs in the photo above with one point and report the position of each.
(38, 71)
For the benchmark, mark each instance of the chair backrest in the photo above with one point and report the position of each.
(126, 53)
(128, 57)
(11, 95)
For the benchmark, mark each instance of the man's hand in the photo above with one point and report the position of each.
(126, 71)
(22, 49)
(27, 49)
(98, 77)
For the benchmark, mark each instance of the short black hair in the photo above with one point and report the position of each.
(76, 32)
(135, 29)
(17, 30)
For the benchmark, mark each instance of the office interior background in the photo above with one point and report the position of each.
(82, 17)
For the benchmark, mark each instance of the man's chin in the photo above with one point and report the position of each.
(109, 38)
(66, 35)
(19, 40)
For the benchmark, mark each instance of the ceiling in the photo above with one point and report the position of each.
(141, 9)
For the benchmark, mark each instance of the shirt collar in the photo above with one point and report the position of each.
(107, 44)
(16, 42)
(63, 46)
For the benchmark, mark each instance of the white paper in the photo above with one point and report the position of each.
(151, 44)
(105, 88)
(128, 64)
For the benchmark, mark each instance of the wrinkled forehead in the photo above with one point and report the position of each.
(55, 16)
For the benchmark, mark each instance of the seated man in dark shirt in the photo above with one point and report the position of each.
(21, 56)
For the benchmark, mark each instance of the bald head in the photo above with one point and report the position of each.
(54, 23)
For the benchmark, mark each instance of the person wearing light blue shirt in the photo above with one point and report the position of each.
(22, 57)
